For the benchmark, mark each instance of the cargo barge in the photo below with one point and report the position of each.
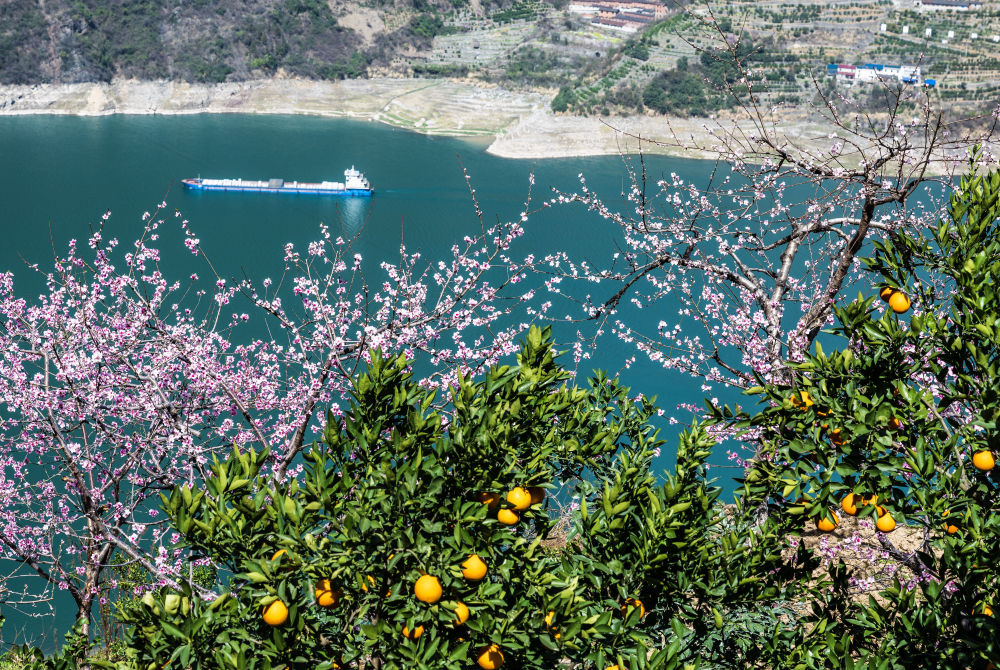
(354, 184)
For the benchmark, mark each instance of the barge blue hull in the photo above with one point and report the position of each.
(349, 192)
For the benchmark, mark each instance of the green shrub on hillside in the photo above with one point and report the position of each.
(900, 428)
(426, 25)
(650, 575)
(562, 101)
(121, 38)
(22, 37)
(637, 49)
(675, 92)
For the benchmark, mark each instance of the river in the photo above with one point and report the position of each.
(59, 174)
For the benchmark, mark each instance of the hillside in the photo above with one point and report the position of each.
(578, 53)
(198, 40)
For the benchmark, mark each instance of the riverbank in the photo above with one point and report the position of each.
(517, 124)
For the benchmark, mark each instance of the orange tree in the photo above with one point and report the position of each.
(900, 428)
(424, 539)
(408, 541)
(706, 580)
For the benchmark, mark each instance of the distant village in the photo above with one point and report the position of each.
(628, 16)
(634, 16)
(871, 73)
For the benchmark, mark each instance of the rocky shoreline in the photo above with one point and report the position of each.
(517, 124)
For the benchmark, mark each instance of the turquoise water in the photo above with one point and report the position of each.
(58, 175)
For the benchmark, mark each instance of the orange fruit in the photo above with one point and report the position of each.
(276, 613)
(548, 619)
(899, 302)
(414, 634)
(490, 499)
(473, 568)
(462, 612)
(886, 523)
(837, 437)
(427, 589)
(826, 525)
(802, 399)
(507, 517)
(490, 657)
(325, 595)
(983, 460)
(633, 602)
(371, 580)
(949, 527)
(613, 667)
(850, 504)
(886, 293)
(280, 552)
(519, 498)
(537, 494)
(895, 424)
(987, 610)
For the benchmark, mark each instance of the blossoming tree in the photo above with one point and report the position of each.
(120, 382)
(754, 258)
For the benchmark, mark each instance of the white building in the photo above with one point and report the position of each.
(951, 5)
(874, 72)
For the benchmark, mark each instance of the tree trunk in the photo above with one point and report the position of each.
(83, 629)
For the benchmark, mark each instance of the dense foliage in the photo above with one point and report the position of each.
(900, 429)
(395, 493)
